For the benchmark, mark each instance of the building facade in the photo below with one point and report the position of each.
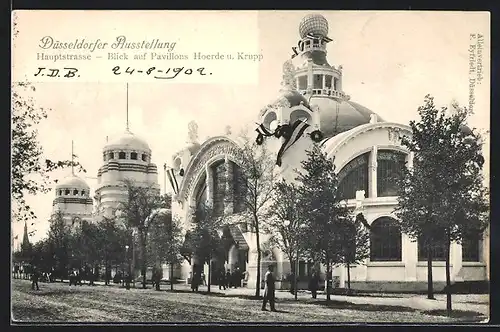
(366, 151)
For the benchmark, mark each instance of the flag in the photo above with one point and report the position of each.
(297, 130)
(263, 130)
(173, 180)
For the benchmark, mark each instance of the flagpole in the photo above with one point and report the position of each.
(72, 159)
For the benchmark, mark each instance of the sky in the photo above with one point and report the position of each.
(390, 60)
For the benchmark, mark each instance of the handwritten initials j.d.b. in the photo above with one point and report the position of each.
(55, 72)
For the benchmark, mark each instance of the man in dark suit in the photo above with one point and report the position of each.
(270, 290)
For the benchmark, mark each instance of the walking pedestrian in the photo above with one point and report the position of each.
(222, 279)
(269, 290)
(313, 284)
(34, 279)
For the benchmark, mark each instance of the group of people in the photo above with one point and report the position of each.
(227, 279)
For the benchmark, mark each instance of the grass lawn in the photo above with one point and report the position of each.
(58, 302)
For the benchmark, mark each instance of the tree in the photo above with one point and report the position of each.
(138, 210)
(110, 241)
(321, 199)
(256, 178)
(85, 245)
(30, 171)
(204, 238)
(165, 241)
(284, 223)
(355, 244)
(59, 242)
(442, 198)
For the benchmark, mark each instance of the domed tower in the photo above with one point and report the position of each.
(73, 199)
(321, 83)
(126, 157)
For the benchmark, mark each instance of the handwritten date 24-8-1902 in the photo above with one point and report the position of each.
(168, 73)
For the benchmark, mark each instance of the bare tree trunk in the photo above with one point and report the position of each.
(144, 262)
(348, 278)
(328, 285)
(430, 286)
(172, 276)
(106, 271)
(257, 238)
(209, 273)
(448, 281)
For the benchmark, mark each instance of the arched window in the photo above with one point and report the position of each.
(83, 192)
(144, 157)
(471, 248)
(353, 177)
(300, 115)
(75, 192)
(438, 250)
(104, 157)
(219, 176)
(121, 155)
(389, 165)
(239, 189)
(133, 156)
(66, 192)
(385, 240)
(60, 192)
(201, 196)
(110, 155)
(328, 81)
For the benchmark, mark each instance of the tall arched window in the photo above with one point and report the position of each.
(438, 250)
(121, 155)
(219, 176)
(353, 177)
(239, 189)
(389, 165)
(201, 194)
(385, 240)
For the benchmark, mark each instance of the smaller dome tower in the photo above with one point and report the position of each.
(73, 199)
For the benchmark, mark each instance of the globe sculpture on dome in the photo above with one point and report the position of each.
(313, 24)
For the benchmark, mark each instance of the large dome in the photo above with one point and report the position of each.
(314, 24)
(71, 182)
(127, 141)
(337, 117)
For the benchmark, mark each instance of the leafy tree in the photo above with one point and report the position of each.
(321, 199)
(442, 198)
(30, 171)
(284, 223)
(110, 241)
(59, 241)
(355, 244)
(138, 210)
(85, 244)
(204, 238)
(165, 241)
(256, 178)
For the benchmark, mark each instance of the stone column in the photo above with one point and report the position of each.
(409, 160)
(410, 258)
(229, 194)
(372, 173)
(209, 180)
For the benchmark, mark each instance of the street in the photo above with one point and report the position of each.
(58, 302)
